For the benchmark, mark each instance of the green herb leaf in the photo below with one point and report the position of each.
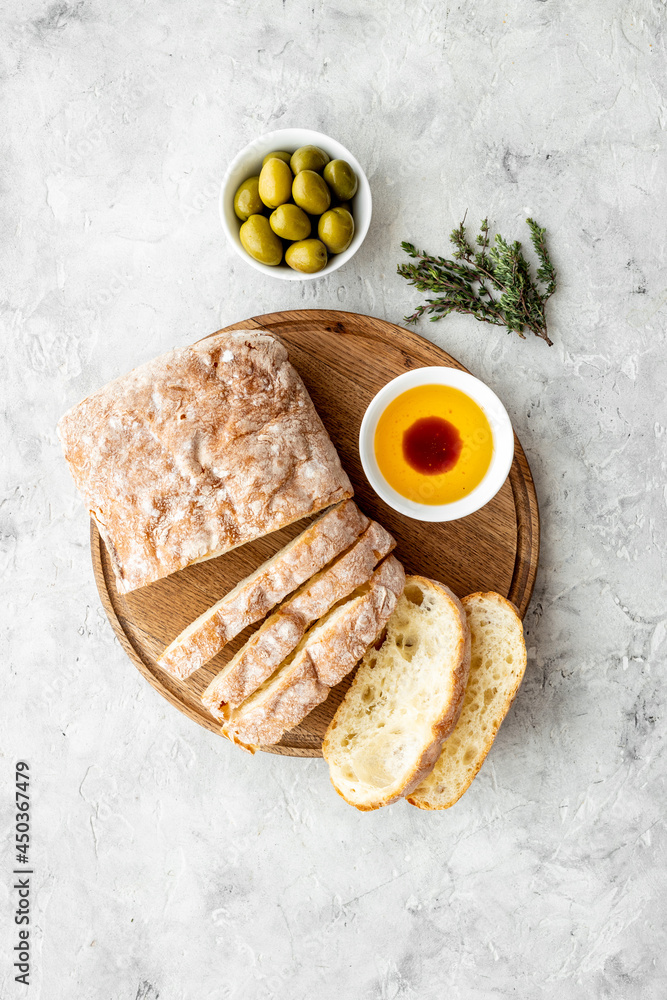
(466, 283)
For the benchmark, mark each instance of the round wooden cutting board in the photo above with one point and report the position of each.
(344, 359)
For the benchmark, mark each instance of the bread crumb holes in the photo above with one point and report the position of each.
(414, 594)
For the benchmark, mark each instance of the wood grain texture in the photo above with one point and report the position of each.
(344, 359)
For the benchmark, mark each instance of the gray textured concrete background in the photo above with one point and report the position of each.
(169, 864)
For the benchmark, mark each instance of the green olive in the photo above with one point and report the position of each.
(310, 192)
(308, 256)
(342, 179)
(278, 155)
(336, 229)
(247, 201)
(275, 183)
(308, 158)
(346, 205)
(260, 241)
(290, 222)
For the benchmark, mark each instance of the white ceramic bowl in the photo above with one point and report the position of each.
(501, 428)
(248, 163)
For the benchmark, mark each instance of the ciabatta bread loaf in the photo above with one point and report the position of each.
(255, 596)
(279, 635)
(328, 652)
(404, 700)
(199, 451)
(498, 663)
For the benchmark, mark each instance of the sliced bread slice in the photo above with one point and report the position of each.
(497, 666)
(279, 635)
(404, 701)
(254, 597)
(324, 656)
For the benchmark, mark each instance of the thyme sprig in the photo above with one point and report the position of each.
(467, 283)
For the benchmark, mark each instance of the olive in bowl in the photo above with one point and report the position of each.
(341, 179)
(275, 183)
(277, 154)
(260, 241)
(336, 229)
(247, 201)
(308, 158)
(308, 256)
(290, 223)
(310, 192)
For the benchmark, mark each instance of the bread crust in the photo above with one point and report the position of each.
(254, 597)
(440, 728)
(335, 649)
(254, 662)
(279, 635)
(422, 801)
(197, 452)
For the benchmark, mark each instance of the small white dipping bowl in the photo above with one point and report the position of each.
(501, 428)
(248, 163)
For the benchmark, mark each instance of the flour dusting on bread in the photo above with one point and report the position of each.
(199, 451)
